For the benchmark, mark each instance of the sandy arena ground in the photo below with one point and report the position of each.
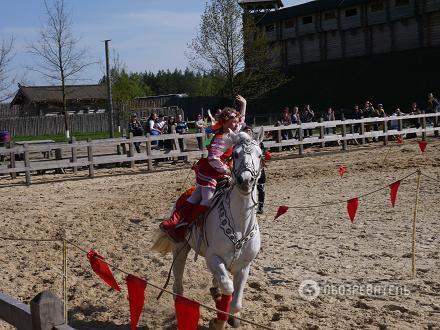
(117, 215)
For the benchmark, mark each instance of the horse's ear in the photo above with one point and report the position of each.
(260, 135)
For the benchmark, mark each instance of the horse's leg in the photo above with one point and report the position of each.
(218, 269)
(214, 290)
(240, 279)
(180, 253)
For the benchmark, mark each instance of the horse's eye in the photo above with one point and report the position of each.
(235, 154)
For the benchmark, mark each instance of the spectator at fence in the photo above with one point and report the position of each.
(295, 116)
(171, 123)
(296, 120)
(152, 128)
(432, 104)
(286, 120)
(200, 125)
(394, 123)
(135, 127)
(330, 116)
(414, 110)
(181, 128)
(307, 116)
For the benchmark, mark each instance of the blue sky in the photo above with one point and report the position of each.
(148, 35)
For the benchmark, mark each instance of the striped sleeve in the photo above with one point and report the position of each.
(215, 152)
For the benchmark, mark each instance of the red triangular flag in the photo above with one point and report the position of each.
(422, 145)
(102, 270)
(399, 139)
(136, 297)
(393, 191)
(187, 314)
(267, 156)
(352, 206)
(341, 170)
(281, 211)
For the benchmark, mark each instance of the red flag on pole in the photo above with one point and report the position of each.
(341, 170)
(393, 191)
(281, 211)
(136, 298)
(102, 270)
(422, 145)
(187, 313)
(352, 206)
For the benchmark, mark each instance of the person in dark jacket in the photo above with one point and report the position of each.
(135, 127)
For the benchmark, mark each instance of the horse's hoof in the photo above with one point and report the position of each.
(215, 293)
(233, 322)
(215, 324)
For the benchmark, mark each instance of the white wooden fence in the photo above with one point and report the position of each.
(360, 130)
(20, 156)
(353, 129)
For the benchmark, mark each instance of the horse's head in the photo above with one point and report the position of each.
(247, 158)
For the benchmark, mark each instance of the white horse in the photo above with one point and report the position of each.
(229, 238)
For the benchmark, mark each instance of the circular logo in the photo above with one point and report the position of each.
(309, 290)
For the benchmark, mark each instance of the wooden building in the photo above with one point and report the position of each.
(341, 53)
(44, 100)
(325, 30)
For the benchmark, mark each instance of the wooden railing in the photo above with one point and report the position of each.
(89, 153)
(44, 312)
(350, 130)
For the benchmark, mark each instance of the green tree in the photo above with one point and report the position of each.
(127, 86)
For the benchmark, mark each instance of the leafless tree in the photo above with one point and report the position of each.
(230, 42)
(6, 56)
(60, 58)
(218, 45)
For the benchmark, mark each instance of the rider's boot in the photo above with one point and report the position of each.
(180, 230)
(169, 226)
(175, 227)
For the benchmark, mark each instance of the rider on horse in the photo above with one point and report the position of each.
(208, 172)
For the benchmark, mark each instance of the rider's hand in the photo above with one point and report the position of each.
(240, 99)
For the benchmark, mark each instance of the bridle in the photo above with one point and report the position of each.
(245, 166)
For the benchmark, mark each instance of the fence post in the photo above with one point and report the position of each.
(27, 164)
(436, 123)
(47, 311)
(12, 155)
(280, 148)
(385, 131)
(400, 126)
(270, 119)
(321, 132)
(203, 140)
(149, 153)
(362, 131)
(131, 149)
(90, 157)
(424, 126)
(344, 133)
(254, 121)
(74, 154)
(301, 138)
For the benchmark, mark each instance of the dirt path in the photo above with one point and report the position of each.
(117, 215)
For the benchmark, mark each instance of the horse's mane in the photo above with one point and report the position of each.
(239, 138)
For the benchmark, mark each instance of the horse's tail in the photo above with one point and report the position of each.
(163, 244)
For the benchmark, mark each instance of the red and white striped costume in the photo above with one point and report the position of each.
(209, 170)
